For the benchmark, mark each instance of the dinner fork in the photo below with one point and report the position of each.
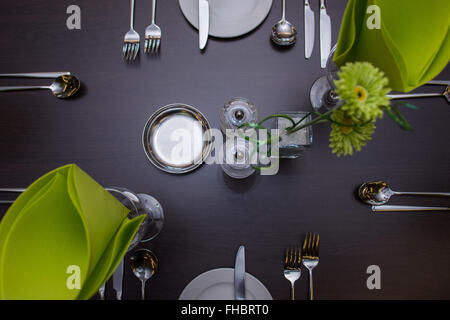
(152, 34)
(131, 42)
(310, 253)
(292, 265)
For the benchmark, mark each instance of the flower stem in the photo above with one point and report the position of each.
(318, 119)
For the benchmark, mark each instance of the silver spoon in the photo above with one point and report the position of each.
(445, 94)
(377, 193)
(144, 265)
(62, 87)
(283, 32)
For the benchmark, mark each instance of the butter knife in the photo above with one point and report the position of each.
(309, 30)
(118, 280)
(203, 23)
(325, 35)
(239, 274)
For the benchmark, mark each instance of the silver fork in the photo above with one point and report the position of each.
(131, 42)
(292, 265)
(152, 34)
(310, 253)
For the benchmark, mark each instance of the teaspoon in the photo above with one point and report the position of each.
(283, 32)
(144, 265)
(62, 87)
(377, 193)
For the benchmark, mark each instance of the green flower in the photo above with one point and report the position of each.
(363, 88)
(346, 134)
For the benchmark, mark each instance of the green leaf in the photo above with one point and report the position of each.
(398, 118)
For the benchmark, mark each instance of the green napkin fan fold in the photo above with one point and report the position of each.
(412, 45)
(63, 219)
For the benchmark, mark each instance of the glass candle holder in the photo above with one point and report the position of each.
(237, 158)
(236, 112)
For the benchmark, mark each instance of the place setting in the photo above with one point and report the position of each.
(83, 238)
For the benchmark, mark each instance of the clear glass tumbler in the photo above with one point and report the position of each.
(236, 112)
(293, 144)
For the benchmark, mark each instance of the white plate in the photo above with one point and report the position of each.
(218, 284)
(229, 18)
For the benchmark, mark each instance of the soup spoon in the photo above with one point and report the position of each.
(144, 265)
(378, 192)
(283, 32)
(64, 86)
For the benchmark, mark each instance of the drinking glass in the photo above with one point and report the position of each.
(322, 94)
(237, 155)
(139, 204)
(236, 112)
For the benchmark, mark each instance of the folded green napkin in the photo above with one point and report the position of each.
(63, 219)
(412, 45)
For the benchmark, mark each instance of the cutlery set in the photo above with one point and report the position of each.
(144, 265)
(378, 193)
(132, 39)
(284, 32)
(325, 32)
(308, 255)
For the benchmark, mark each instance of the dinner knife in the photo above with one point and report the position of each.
(309, 30)
(203, 23)
(49, 75)
(101, 291)
(239, 274)
(325, 35)
(118, 280)
(394, 208)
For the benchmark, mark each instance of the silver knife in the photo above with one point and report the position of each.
(101, 291)
(118, 280)
(309, 30)
(203, 23)
(325, 35)
(48, 75)
(385, 208)
(239, 274)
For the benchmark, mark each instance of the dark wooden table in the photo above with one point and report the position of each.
(208, 215)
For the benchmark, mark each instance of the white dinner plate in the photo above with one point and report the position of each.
(218, 284)
(228, 18)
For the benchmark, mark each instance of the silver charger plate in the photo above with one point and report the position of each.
(228, 18)
(177, 138)
(218, 284)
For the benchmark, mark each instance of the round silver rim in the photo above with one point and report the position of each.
(206, 148)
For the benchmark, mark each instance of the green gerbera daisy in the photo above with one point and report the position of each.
(363, 88)
(346, 134)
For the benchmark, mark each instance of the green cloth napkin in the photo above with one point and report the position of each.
(63, 219)
(411, 47)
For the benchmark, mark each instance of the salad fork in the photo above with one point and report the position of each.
(292, 265)
(152, 34)
(310, 253)
(131, 42)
